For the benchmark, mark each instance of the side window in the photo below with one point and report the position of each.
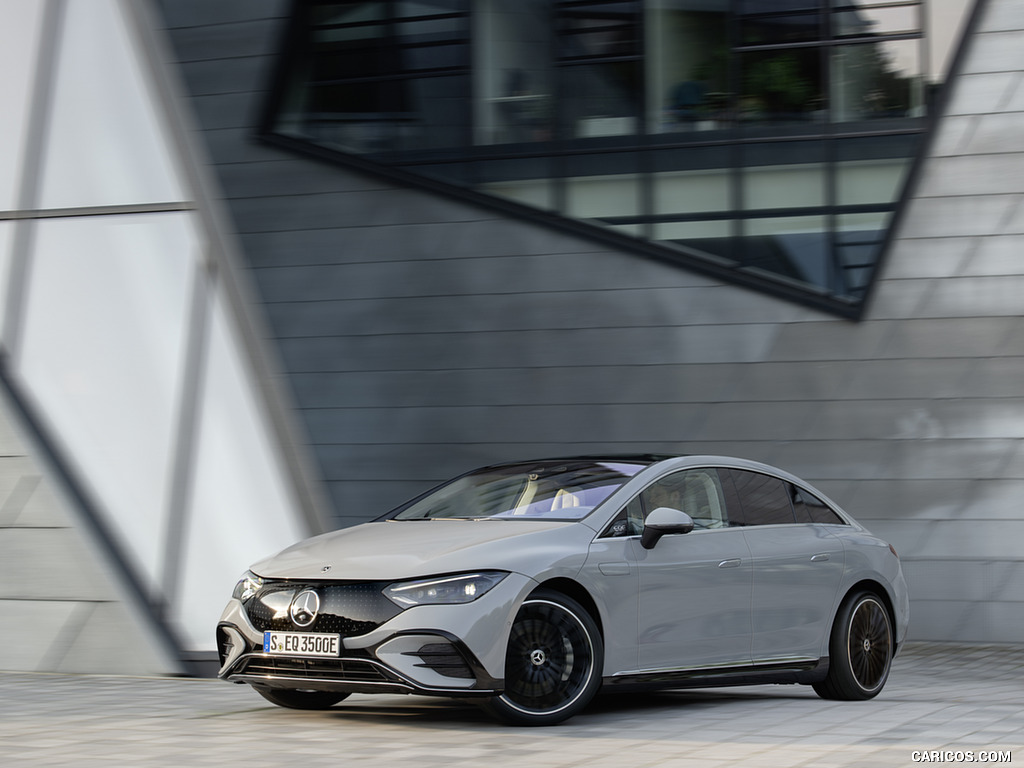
(629, 521)
(697, 492)
(764, 499)
(810, 509)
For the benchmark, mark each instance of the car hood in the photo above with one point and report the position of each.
(401, 549)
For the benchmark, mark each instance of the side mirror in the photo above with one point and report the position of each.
(661, 521)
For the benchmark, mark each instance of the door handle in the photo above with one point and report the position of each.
(821, 558)
(733, 563)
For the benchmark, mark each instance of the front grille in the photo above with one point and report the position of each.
(334, 670)
(348, 609)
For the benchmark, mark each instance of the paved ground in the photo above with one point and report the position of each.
(939, 700)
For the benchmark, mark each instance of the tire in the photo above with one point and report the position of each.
(292, 699)
(553, 663)
(860, 650)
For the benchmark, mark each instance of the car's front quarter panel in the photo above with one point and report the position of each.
(482, 625)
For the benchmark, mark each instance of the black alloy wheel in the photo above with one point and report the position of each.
(553, 663)
(860, 650)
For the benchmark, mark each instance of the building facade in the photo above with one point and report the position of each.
(353, 305)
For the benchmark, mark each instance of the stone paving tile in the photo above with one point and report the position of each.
(938, 698)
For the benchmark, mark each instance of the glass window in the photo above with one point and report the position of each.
(548, 490)
(865, 21)
(764, 499)
(859, 240)
(793, 185)
(600, 68)
(629, 521)
(697, 492)
(591, 197)
(877, 80)
(513, 76)
(810, 509)
(712, 237)
(794, 247)
(698, 125)
(782, 87)
(687, 67)
(774, 28)
(373, 77)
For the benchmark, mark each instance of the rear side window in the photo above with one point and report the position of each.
(810, 509)
(764, 500)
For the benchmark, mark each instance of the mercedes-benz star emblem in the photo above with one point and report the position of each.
(304, 608)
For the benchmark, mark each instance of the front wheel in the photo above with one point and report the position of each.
(553, 663)
(860, 650)
(292, 699)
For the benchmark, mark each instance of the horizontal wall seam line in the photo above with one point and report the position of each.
(719, 441)
(98, 210)
(246, 20)
(70, 600)
(670, 403)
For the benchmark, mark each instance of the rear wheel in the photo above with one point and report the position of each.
(860, 650)
(553, 663)
(292, 699)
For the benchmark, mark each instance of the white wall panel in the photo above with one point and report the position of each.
(103, 349)
(239, 506)
(19, 37)
(107, 143)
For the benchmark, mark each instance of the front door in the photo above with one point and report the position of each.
(694, 588)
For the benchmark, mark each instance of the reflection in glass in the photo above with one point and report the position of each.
(692, 191)
(687, 66)
(773, 28)
(545, 490)
(784, 186)
(685, 122)
(795, 247)
(859, 239)
(870, 181)
(600, 72)
(375, 77)
(512, 75)
(781, 87)
(713, 236)
(592, 197)
(537, 193)
(877, 80)
(870, 22)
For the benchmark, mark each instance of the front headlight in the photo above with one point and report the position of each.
(443, 590)
(247, 586)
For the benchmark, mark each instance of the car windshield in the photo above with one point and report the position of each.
(547, 490)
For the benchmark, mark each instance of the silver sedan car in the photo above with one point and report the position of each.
(531, 586)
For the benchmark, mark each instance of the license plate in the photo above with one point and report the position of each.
(301, 644)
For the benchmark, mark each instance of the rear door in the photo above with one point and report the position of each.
(797, 570)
